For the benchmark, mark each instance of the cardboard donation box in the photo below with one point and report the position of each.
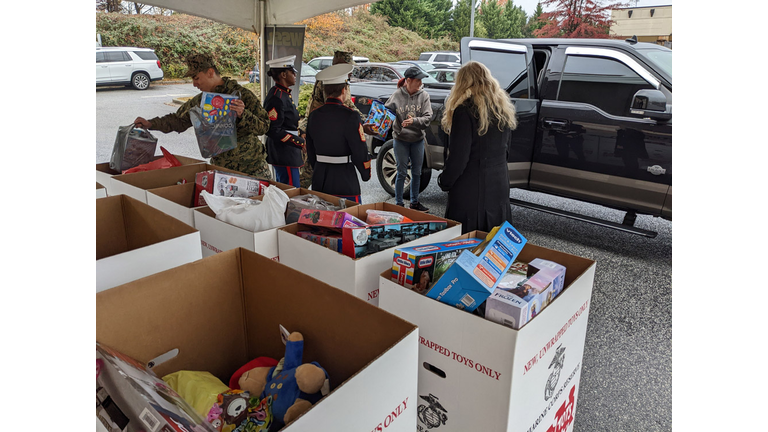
(101, 191)
(219, 313)
(134, 240)
(137, 184)
(358, 276)
(219, 236)
(476, 374)
(104, 173)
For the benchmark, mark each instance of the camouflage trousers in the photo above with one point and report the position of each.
(305, 172)
(250, 157)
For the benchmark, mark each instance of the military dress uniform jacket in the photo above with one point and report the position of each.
(283, 147)
(334, 131)
(250, 156)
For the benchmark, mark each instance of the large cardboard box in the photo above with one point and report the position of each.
(179, 201)
(137, 184)
(217, 236)
(101, 191)
(475, 374)
(134, 240)
(225, 310)
(355, 276)
(104, 172)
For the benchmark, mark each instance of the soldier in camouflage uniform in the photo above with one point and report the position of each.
(250, 155)
(318, 100)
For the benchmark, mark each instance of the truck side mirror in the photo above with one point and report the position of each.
(651, 104)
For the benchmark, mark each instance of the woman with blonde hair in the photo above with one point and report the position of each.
(479, 118)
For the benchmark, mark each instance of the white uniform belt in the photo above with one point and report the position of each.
(334, 159)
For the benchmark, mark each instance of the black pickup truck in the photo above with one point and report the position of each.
(594, 121)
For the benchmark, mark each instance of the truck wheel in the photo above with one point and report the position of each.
(386, 170)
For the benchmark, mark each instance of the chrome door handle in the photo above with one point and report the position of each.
(656, 170)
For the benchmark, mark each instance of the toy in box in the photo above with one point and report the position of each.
(215, 124)
(329, 219)
(517, 273)
(224, 184)
(331, 240)
(363, 241)
(380, 119)
(298, 203)
(418, 266)
(515, 307)
(216, 106)
(129, 397)
(472, 278)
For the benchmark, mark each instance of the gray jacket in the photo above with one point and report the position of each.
(406, 105)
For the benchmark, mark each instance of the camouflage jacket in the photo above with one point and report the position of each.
(318, 100)
(250, 155)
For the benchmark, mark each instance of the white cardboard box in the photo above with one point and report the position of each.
(101, 191)
(233, 304)
(134, 240)
(104, 172)
(217, 236)
(355, 276)
(475, 374)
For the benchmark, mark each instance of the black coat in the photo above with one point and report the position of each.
(475, 173)
(283, 148)
(335, 130)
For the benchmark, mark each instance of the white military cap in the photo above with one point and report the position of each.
(282, 62)
(336, 74)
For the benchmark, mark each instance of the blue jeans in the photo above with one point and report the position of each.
(405, 151)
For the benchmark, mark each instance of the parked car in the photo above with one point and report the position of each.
(443, 75)
(382, 72)
(128, 66)
(594, 121)
(427, 66)
(320, 63)
(307, 74)
(253, 75)
(451, 58)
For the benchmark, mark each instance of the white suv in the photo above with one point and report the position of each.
(448, 57)
(127, 66)
(321, 63)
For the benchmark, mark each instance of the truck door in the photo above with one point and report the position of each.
(590, 144)
(511, 63)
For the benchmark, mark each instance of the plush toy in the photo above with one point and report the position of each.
(293, 386)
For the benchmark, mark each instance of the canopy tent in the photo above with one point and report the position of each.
(255, 15)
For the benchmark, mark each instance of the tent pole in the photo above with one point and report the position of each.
(261, 10)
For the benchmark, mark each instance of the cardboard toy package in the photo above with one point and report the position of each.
(329, 219)
(324, 237)
(217, 236)
(312, 200)
(362, 241)
(104, 173)
(380, 119)
(477, 375)
(358, 276)
(225, 184)
(472, 278)
(120, 407)
(219, 313)
(134, 240)
(418, 266)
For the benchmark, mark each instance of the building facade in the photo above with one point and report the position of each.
(649, 23)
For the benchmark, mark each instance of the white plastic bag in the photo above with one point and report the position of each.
(249, 214)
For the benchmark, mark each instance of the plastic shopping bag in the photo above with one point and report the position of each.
(250, 214)
(167, 161)
(133, 147)
(215, 124)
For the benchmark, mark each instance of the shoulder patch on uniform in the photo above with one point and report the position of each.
(273, 114)
(362, 134)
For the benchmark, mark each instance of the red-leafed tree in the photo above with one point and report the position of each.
(577, 18)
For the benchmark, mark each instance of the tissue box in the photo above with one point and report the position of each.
(418, 266)
(472, 279)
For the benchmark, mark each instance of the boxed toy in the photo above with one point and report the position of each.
(309, 201)
(517, 273)
(472, 278)
(515, 307)
(131, 398)
(215, 106)
(327, 238)
(416, 267)
(219, 183)
(329, 219)
(362, 241)
(380, 119)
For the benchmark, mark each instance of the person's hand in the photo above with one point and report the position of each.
(407, 122)
(142, 122)
(368, 129)
(238, 106)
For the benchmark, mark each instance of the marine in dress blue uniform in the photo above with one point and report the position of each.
(336, 141)
(284, 145)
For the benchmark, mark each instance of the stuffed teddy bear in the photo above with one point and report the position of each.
(293, 386)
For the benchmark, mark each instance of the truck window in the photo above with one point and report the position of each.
(510, 69)
(425, 57)
(607, 84)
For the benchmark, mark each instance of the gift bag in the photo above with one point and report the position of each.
(167, 161)
(215, 124)
(381, 119)
(133, 147)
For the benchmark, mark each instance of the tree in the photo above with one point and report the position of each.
(492, 17)
(437, 15)
(461, 18)
(535, 22)
(577, 19)
(515, 17)
(408, 14)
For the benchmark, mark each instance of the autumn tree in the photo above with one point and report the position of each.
(577, 19)
(535, 22)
